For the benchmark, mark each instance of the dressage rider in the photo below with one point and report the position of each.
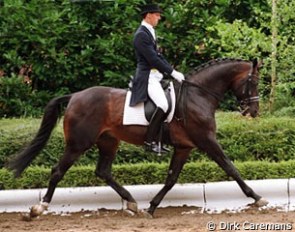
(151, 65)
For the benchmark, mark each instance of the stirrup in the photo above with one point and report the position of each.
(154, 147)
(165, 148)
(147, 146)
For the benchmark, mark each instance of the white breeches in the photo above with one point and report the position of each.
(155, 90)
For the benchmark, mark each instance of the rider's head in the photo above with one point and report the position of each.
(151, 14)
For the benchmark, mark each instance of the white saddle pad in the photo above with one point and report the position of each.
(135, 115)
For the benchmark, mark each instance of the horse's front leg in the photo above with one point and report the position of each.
(213, 149)
(178, 160)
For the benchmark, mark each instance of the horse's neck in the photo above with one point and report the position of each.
(216, 78)
(209, 86)
(207, 89)
(192, 98)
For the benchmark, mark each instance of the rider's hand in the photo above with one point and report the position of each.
(177, 75)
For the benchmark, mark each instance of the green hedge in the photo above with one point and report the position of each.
(243, 139)
(147, 173)
(67, 46)
(90, 42)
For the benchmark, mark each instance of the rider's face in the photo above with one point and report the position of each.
(153, 18)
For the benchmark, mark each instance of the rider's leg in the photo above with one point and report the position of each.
(156, 93)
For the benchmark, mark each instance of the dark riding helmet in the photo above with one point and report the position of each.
(150, 8)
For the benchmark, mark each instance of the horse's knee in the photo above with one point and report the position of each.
(171, 180)
(97, 173)
(54, 169)
(55, 174)
(102, 174)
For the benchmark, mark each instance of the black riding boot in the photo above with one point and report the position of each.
(153, 130)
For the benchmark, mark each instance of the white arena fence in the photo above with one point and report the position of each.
(210, 197)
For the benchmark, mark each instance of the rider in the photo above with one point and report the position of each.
(151, 65)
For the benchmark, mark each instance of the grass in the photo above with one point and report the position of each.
(225, 120)
(15, 124)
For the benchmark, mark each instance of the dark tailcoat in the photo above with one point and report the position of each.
(147, 58)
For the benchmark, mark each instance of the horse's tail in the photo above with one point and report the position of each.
(51, 115)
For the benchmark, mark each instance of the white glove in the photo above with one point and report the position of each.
(177, 76)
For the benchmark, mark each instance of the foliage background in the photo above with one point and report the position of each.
(49, 48)
(147, 173)
(261, 148)
(270, 139)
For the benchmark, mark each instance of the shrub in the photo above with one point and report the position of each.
(75, 44)
(147, 173)
(17, 98)
(243, 139)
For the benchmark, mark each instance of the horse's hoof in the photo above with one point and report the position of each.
(261, 202)
(146, 214)
(37, 210)
(132, 206)
(26, 217)
(129, 213)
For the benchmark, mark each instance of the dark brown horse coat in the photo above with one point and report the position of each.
(94, 117)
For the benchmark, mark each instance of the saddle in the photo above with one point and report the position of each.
(141, 113)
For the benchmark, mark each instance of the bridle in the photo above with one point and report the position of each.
(248, 84)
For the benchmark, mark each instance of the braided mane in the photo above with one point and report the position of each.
(212, 63)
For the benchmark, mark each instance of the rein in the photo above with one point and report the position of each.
(244, 102)
(217, 96)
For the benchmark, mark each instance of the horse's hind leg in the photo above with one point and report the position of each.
(71, 154)
(108, 146)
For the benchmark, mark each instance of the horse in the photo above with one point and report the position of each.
(94, 117)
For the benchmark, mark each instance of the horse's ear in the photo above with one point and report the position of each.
(254, 62)
(257, 63)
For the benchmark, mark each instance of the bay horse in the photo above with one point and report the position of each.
(94, 117)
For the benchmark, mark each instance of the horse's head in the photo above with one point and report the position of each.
(246, 90)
